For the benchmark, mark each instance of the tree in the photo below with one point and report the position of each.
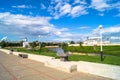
(81, 44)
(72, 42)
(3, 44)
(64, 46)
(33, 44)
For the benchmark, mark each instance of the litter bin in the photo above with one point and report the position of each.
(63, 57)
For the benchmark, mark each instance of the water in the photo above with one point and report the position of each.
(58, 50)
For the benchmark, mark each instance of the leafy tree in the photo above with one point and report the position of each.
(33, 44)
(81, 44)
(43, 45)
(64, 46)
(3, 44)
(72, 42)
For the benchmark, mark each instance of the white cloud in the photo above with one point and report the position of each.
(113, 29)
(61, 8)
(62, 39)
(73, 38)
(22, 6)
(23, 20)
(26, 25)
(84, 27)
(21, 25)
(76, 8)
(58, 6)
(59, 1)
(78, 11)
(4, 38)
(55, 1)
(30, 13)
(64, 29)
(66, 35)
(116, 5)
(108, 30)
(65, 9)
(99, 5)
(101, 14)
(79, 2)
(42, 6)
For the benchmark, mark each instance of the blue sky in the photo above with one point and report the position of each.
(59, 20)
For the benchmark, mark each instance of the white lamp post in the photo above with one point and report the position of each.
(39, 42)
(101, 48)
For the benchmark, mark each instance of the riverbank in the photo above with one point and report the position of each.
(110, 59)
(104, 70)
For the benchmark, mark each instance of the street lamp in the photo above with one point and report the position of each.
(39, 43)
(101, 48)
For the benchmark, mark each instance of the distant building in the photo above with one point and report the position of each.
(26, 43)
(96, 41)
(91, 42)
(73, 44)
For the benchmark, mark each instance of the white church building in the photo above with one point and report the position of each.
(26, 43)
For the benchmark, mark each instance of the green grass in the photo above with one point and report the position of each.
(43, 51)
(109, 59)
(108, 50)
(114, 60)
(112, 50)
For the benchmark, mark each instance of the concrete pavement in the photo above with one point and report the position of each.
(15, 68)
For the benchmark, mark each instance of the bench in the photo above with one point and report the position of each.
(23, 55)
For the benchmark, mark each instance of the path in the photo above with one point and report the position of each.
(16, 68)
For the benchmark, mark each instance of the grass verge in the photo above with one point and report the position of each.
(109, 59)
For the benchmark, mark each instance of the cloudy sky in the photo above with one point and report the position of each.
(59, 20)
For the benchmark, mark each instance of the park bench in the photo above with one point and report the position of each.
(23, 55)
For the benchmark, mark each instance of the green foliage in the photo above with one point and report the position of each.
(81, 44)
(84, 49)
(10, 44)
(3, 44)
(52, 44)
(33, 44)
(43, 51)
(114, 60)
(109, 59)
(72, 42)
(43, 44)
(64, 46)
(112, 50)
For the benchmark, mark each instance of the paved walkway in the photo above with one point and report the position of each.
(16, 68)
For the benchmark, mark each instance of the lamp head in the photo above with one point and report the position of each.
(100, 26)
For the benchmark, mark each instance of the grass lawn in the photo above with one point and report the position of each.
(114, 60)
(109, 59)
(108, 50)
